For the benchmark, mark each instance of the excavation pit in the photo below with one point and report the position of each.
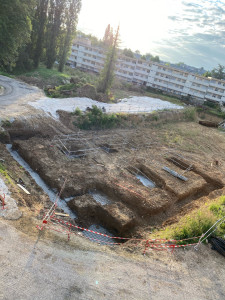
(145, 181)
(142, 177)
(106, 191)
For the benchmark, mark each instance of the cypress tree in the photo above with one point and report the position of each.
(38, 33)
(107, 74)
(71, 18)
(53, 30)
(108, 36)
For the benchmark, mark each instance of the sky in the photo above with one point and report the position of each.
(192, 31)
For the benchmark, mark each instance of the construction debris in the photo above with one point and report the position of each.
(23, 188)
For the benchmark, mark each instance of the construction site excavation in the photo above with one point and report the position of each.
(123, 182)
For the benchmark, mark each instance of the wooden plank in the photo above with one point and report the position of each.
(61, 214)
(23, 188)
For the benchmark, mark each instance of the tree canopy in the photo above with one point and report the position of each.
(218, 72)
(34, 30)
(15, 29)
(128, 52)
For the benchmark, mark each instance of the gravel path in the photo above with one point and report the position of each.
(128, 105)
(17, 95)
(33, 268)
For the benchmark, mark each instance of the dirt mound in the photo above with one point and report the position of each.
(115, 216)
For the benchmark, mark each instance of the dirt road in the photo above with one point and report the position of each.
(15, 96)
(34, 268)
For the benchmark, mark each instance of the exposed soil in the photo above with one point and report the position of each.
(106, 166)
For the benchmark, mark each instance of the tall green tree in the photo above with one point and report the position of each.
(107, 74)
(38, 31)
(55, 16)
(72, 10)
(15, 29)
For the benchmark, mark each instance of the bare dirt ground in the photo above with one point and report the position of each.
(135, 208)
(36, 267)
(44, 265)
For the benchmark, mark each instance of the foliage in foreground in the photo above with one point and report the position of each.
(201, 221)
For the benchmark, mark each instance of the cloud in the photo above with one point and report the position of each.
(190, 4)
(197, 35)
(173, 18)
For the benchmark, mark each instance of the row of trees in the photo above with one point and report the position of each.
(147, 56)
(218, 72)
(35, 30)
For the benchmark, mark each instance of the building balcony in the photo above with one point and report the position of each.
(169, 80)
(210, 97)
(200, 89)
(217, 84)
(216, 92)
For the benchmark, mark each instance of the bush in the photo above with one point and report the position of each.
(6, 123)
(77, 112)
(96, 119)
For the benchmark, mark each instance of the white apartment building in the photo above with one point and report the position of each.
(87, 57)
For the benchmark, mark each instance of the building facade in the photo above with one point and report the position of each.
(165, 78)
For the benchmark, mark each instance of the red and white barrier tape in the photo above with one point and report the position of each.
(148, 245)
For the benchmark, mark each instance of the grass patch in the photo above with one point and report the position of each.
(160, 96)
(4, 172)
(197, 223)
(212, 109)
(195, 226)
(217, 113)
(6, 74)
(45, 73)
